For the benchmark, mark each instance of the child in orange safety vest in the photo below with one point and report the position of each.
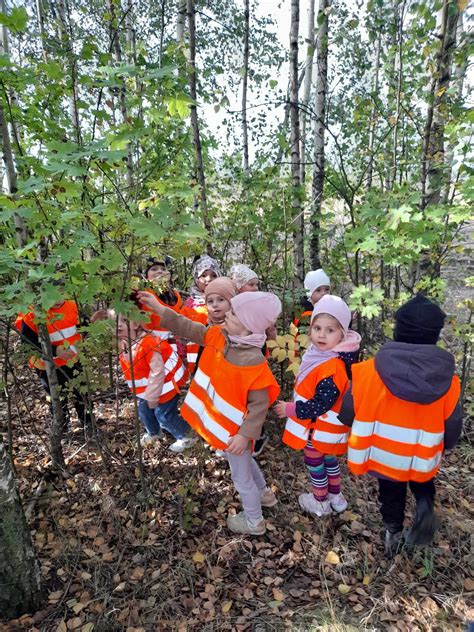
(156, 373)
(312, 423)
(404, 411)
(231, 392)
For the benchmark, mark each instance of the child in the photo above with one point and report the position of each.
(205, 269)
(318, 285)
(231, 392)
(246, 280)
(217, 295)
(321, 382)
(155, 372)
(404, 411)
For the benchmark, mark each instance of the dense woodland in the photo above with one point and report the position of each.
(180, 127)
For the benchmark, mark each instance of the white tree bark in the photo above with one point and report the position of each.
(245, 77)
(308, 79)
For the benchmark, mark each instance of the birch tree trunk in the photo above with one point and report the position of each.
(308, 77)
(319, 129)
(20, 582)
(373, 117)
(297, 212)
(245, 136)
(191, 13)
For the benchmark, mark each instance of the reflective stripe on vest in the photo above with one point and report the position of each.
(327, 433)
(216, 402)
(62, 334)
(401, 440)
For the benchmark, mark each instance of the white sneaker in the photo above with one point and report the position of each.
(309, 503)
(338, 502)
(240, 524)
(220, 454)
(150, 439)
(183, 444)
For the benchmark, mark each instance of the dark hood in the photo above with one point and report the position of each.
(415, 373)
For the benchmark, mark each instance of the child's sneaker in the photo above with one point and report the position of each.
(393, 543)
(240, 524)
(150, 439)
(268, 498)
(338, 502)
(316, 507)
(259, 445)
(183, 444)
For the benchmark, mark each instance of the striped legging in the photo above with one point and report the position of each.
(324, 472)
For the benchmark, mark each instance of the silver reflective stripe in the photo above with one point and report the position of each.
(331, 417)
(192, 357)
(63, 334)
(397, 433)
(179, 373)
(229, 411)
(171, 362)
(296, 429)
(138, 383)
(73, 348)
(202, 378)
(329, 437)
(207, 421)
(169, 384)
(298, 398)
(395, 461)
(163, 334)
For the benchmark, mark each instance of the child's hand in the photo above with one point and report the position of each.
(151, 302)
(65, 353)
(280, 409)
(237, 445)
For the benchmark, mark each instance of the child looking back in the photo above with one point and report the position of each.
(231, 392)
(312, 422)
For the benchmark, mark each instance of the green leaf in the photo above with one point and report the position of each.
(16, 20)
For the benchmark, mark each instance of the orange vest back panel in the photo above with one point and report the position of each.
(398, 439)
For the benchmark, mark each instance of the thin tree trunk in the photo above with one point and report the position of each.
(245, 136)
(399, 17)
(191, 13)
(308, 77)
(297, 212)
(373, 117)
(322, 45)
(19, 569)
(181, 24)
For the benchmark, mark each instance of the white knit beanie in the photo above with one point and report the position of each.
(315, 279)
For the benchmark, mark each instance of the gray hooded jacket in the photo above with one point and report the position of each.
(414, 373)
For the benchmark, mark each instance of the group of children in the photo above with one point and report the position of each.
(394, 418)
(394, 415)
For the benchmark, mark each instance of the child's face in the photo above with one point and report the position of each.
(206, 277)
(217, 307)
(251, 286)
(158, 271)
(233, 326)
(123, 326)
(318, 293)
(325, 332)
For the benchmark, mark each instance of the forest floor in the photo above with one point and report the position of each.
(114, 558)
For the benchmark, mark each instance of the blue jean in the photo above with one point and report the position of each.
(164, 416)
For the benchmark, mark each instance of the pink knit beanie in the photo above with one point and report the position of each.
(222, 286)
(257, 311)
(334, 306)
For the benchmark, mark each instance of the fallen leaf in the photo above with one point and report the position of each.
(88, 627)
(226, 606)
(278, 594)
(62, 627)
(199, 557)
(366, 580)
(344, 589)
(469, 584)
(333, 558)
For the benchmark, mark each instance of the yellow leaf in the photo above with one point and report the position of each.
(293, 368)
(291, 356)
(281, 340)
(275, 352)
(62, 627)
(281, 355)
(271, 344)
(88, 627)
(293, 329)
(288, 338)
(304, 340)
(366, 580)
(462, 4)
(333, 558)
(78, 607)
(344, 589)
(226, 606)
(291, 344)
(199, 557)
(278, 594)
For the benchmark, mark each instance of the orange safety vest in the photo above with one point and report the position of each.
(153, 325)
(327, 433)
(398, 439)
(200, 315)
(216, 402)
(175, 372)
(61, 324)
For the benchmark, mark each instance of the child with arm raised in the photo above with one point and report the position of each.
(231, 392)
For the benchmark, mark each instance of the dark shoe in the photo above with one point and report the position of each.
(259, 445)
(393, 543)
(423, 529)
